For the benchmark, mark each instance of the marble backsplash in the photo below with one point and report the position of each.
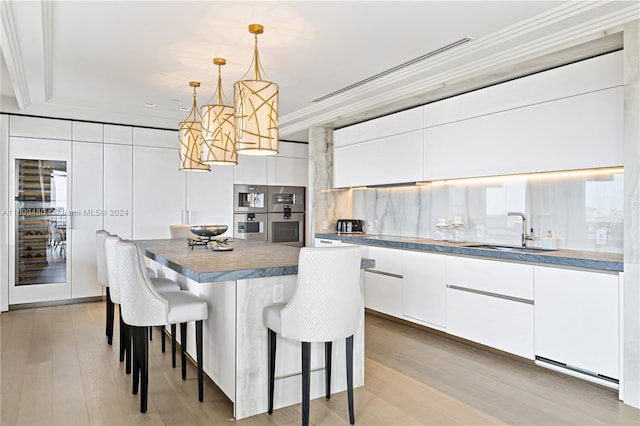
(584, 213)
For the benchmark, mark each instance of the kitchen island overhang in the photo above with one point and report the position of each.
(237, 285)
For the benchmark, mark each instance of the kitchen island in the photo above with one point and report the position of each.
(237, 285)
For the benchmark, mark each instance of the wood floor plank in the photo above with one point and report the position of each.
(58, 369)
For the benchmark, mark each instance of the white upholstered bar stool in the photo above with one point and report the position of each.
(110, 242)
(143, 306)
(101, 263)
(327, 305)
(180, 231)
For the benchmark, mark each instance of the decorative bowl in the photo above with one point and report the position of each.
(208, 230)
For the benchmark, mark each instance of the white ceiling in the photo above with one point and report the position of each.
(103, 60)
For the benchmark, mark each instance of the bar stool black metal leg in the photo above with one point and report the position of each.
(109, 325)
(327, 369)
(350, 378)
(183, 349)
(199, 360)
(150, 333)
(163, 339)
(135, 336)
(128, 348)
(306, 381)
(122, 336)
(173, 345)
(272, 367)
(143, 362)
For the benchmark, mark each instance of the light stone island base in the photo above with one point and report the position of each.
(235, 345)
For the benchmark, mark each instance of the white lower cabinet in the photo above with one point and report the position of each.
(322, 242)
(383, 293)
(491, 302)
(383, 284)
(577, 319)
(493, 321)
(424, 288)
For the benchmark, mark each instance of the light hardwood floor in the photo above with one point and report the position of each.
(58, 369)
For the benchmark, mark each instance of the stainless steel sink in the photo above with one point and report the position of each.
(500, 247)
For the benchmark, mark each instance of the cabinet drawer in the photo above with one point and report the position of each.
(577, 319)
(504, 278)
(388, 261)
(492, 321)
(383, 293)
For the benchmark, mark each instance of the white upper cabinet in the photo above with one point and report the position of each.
(42, 128)
(122, 135)
(586, 76)
(87, 132)
(155, 137)
(250, 170)
(288, 168)
(579, 132)
(393, 124)
(393, 159)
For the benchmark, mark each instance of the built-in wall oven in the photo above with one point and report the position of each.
(285, 197)
(286, 228)
(250, 198)
(270, 213)
(250, 226)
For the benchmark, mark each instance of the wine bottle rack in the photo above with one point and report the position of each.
(41, 241)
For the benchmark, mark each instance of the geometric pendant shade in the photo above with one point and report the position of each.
(218, 128)
(256, 109)
(190, 138)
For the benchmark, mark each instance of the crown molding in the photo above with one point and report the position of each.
(430, 80)
(13, 55)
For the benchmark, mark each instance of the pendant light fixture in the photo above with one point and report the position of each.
(190, 138)
(256, 106)
(218, 127)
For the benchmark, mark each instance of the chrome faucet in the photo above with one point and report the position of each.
(525, 237)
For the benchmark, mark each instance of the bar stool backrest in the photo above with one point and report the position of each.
(112, 266)
(327, 303)
(141, 304)
(101, 264)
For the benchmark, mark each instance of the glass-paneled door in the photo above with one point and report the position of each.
(39, 244)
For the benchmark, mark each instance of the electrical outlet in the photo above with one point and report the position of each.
(325, 224)
(601, 237)
(278, 293)
(480, 231)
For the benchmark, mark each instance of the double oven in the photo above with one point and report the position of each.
(274, 214)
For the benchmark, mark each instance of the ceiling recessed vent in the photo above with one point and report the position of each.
(394, 69)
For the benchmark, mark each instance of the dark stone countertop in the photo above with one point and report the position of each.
(571, 258)
(248, 259)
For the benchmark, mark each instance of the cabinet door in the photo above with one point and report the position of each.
(159, 192)
(250, 170)
(393, 159)
(496, 322)
(577, 319)
(86, 187)
(383, 293)
(424, 287)
(210, 197)
(564, 134)
(118, 189)
(388, 125)
(285, 171)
